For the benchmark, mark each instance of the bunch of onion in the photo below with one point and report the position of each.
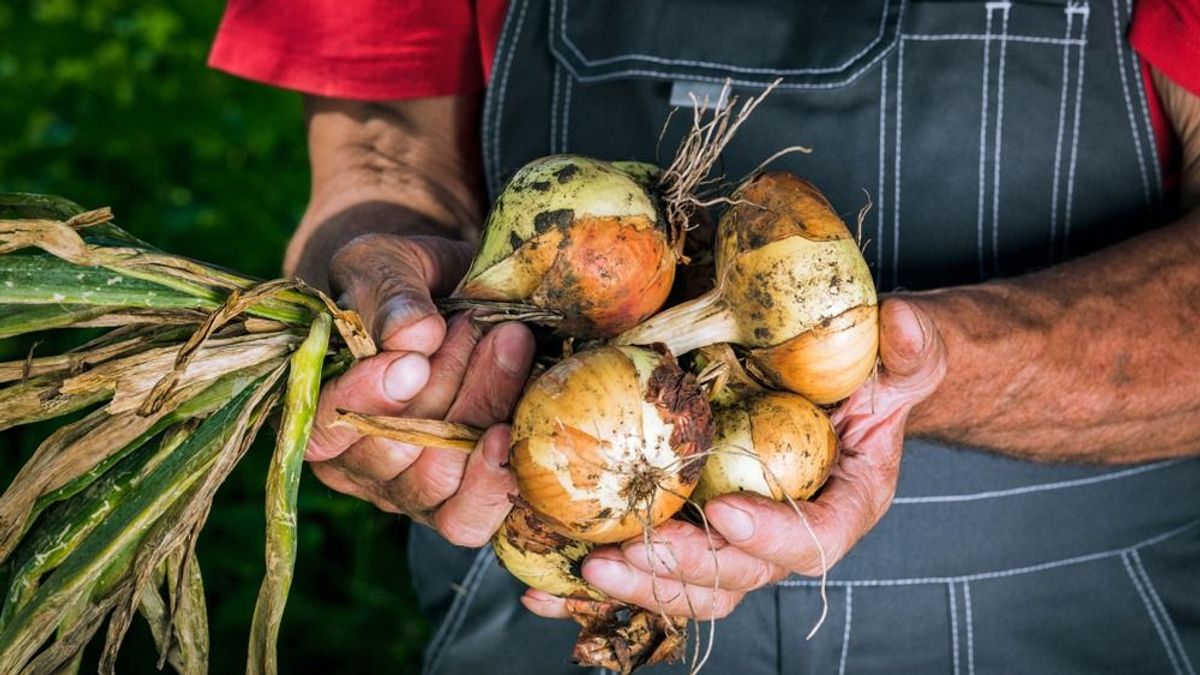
(606, 444)
(791, 286)
(102, 520)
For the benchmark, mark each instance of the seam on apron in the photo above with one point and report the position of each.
(846, 632)
(1136, 559)
(1090, 557)
(1158, 628)
(554, 109)
(721, 66)
(503, 86)
(998, 141)
(1118, 34)
(970, 627)
(896, 176)
(1086, 12)
(458, 609)
(1062, 123)
(880, 196)
(1033, 39)
(1040, 487)
(953, 626)
(566, 113)
(986, 85)
(1135, 60)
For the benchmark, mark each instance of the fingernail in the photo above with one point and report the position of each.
(396, 313)
(405, 377)
(734, 523)
(510, 349)
(496, 450)
(605, 572)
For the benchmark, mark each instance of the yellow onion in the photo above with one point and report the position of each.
(609, 442)
(791, 285)
(541, 558)
(580, 238)
(773, 443)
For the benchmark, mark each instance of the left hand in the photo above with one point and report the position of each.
(756, 541)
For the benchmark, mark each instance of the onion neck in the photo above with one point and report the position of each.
(701, 322)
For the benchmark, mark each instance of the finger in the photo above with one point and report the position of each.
(477, 509)
(447, 367)
(496, 377)
(684, 552)
(372, 460)
(607, 570)
(391, 281)
(491, 386)
(852, 501)
(380, 385)
(545, 605)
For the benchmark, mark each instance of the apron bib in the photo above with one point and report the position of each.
(994, 138)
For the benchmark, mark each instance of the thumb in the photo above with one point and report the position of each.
(908, 342)
(391, 281)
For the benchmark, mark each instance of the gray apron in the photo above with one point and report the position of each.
(994, 138)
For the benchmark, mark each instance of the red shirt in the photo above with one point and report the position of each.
(394, 49)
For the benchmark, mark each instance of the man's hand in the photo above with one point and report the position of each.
(755, 541)
(427, 369)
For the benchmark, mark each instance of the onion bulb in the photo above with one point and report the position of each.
(791, 286)
(580, 238)
(541, 558)
(774, 443)
(609, 442)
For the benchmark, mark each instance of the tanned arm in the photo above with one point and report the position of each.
(1090, 360)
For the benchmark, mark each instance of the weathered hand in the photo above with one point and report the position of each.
(755, 541)
(428, 369)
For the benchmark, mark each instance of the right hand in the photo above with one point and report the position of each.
(426, 368)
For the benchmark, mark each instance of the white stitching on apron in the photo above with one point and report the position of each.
(938, 37)
(896, 177)
(458, 609)
(554, 109)
(882, 168)
(953, 626)
(1150, 611)
(1062, 123)
(1118, 34)
(970, 628)
(1086, 12)
(986, 85)
(503, 86)
(1065, 562)
(1042, 487)
(846, 632)
(1141, 96)
(997, 141)
(1136, 559)
(723, 66)
(566, 114)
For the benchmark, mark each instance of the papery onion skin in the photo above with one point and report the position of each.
(776, 444)
(540, 558)
(610, 441)
(577, 236)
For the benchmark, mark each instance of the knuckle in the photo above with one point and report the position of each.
(459, 533)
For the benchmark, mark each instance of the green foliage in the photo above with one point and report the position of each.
(108, 102)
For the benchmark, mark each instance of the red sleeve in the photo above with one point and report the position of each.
(1166, 33)
(358, 49)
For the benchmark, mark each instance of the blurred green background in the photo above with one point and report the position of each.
(108, 102)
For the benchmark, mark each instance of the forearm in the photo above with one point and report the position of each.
(407, 167)
(1089, 360)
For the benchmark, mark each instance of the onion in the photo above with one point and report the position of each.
(791, 285)
(610, 442)
(580, 238)
(773, 443)
(541, 558)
